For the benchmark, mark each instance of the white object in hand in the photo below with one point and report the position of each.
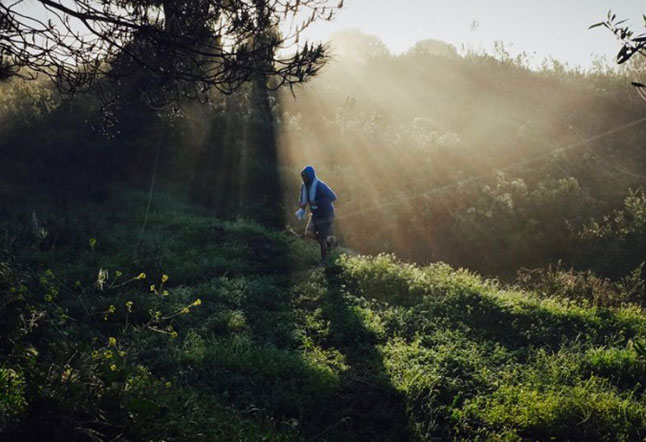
(300, 214)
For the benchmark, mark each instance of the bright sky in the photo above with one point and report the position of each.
(542, 28)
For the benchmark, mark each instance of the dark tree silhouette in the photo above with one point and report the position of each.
(183, 47)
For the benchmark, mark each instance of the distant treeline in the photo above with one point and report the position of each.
(473, 159)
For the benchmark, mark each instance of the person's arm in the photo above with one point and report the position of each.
(328, 196)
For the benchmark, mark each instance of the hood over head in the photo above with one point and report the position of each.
(308, 174)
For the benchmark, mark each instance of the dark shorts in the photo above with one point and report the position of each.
(322, 227)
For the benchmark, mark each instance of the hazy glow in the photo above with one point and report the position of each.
(409, 142)
(557, 28)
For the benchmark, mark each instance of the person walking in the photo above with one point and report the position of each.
(320, 198)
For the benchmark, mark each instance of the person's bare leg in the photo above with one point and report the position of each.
(310, 231)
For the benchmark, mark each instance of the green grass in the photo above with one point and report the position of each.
(278, 349)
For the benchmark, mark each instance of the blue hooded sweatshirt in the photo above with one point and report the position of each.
(324, 196)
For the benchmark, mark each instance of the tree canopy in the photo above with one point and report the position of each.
(183, 47)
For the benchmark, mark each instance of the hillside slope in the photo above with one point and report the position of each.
(197, 329)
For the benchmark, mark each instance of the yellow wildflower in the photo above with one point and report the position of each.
(173, 334)
(65, 375)
(122, 353)
(185, 310)
(198, 301)
(129, 306)
(165, 293)
(95, 354)
(168, 384)
(112, 308)
(92, 243)
(152, 288)
(118, 273)
(112, 341)
(108, 354)
(142, 275)
(113, 367)
(164, 278)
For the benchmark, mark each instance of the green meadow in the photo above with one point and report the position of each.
(197, 329)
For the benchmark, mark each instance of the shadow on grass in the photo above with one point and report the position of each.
(263, 360)
(266, 366)
(372, 409)
(529, 324)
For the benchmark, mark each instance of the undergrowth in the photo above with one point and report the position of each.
(197, 329)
